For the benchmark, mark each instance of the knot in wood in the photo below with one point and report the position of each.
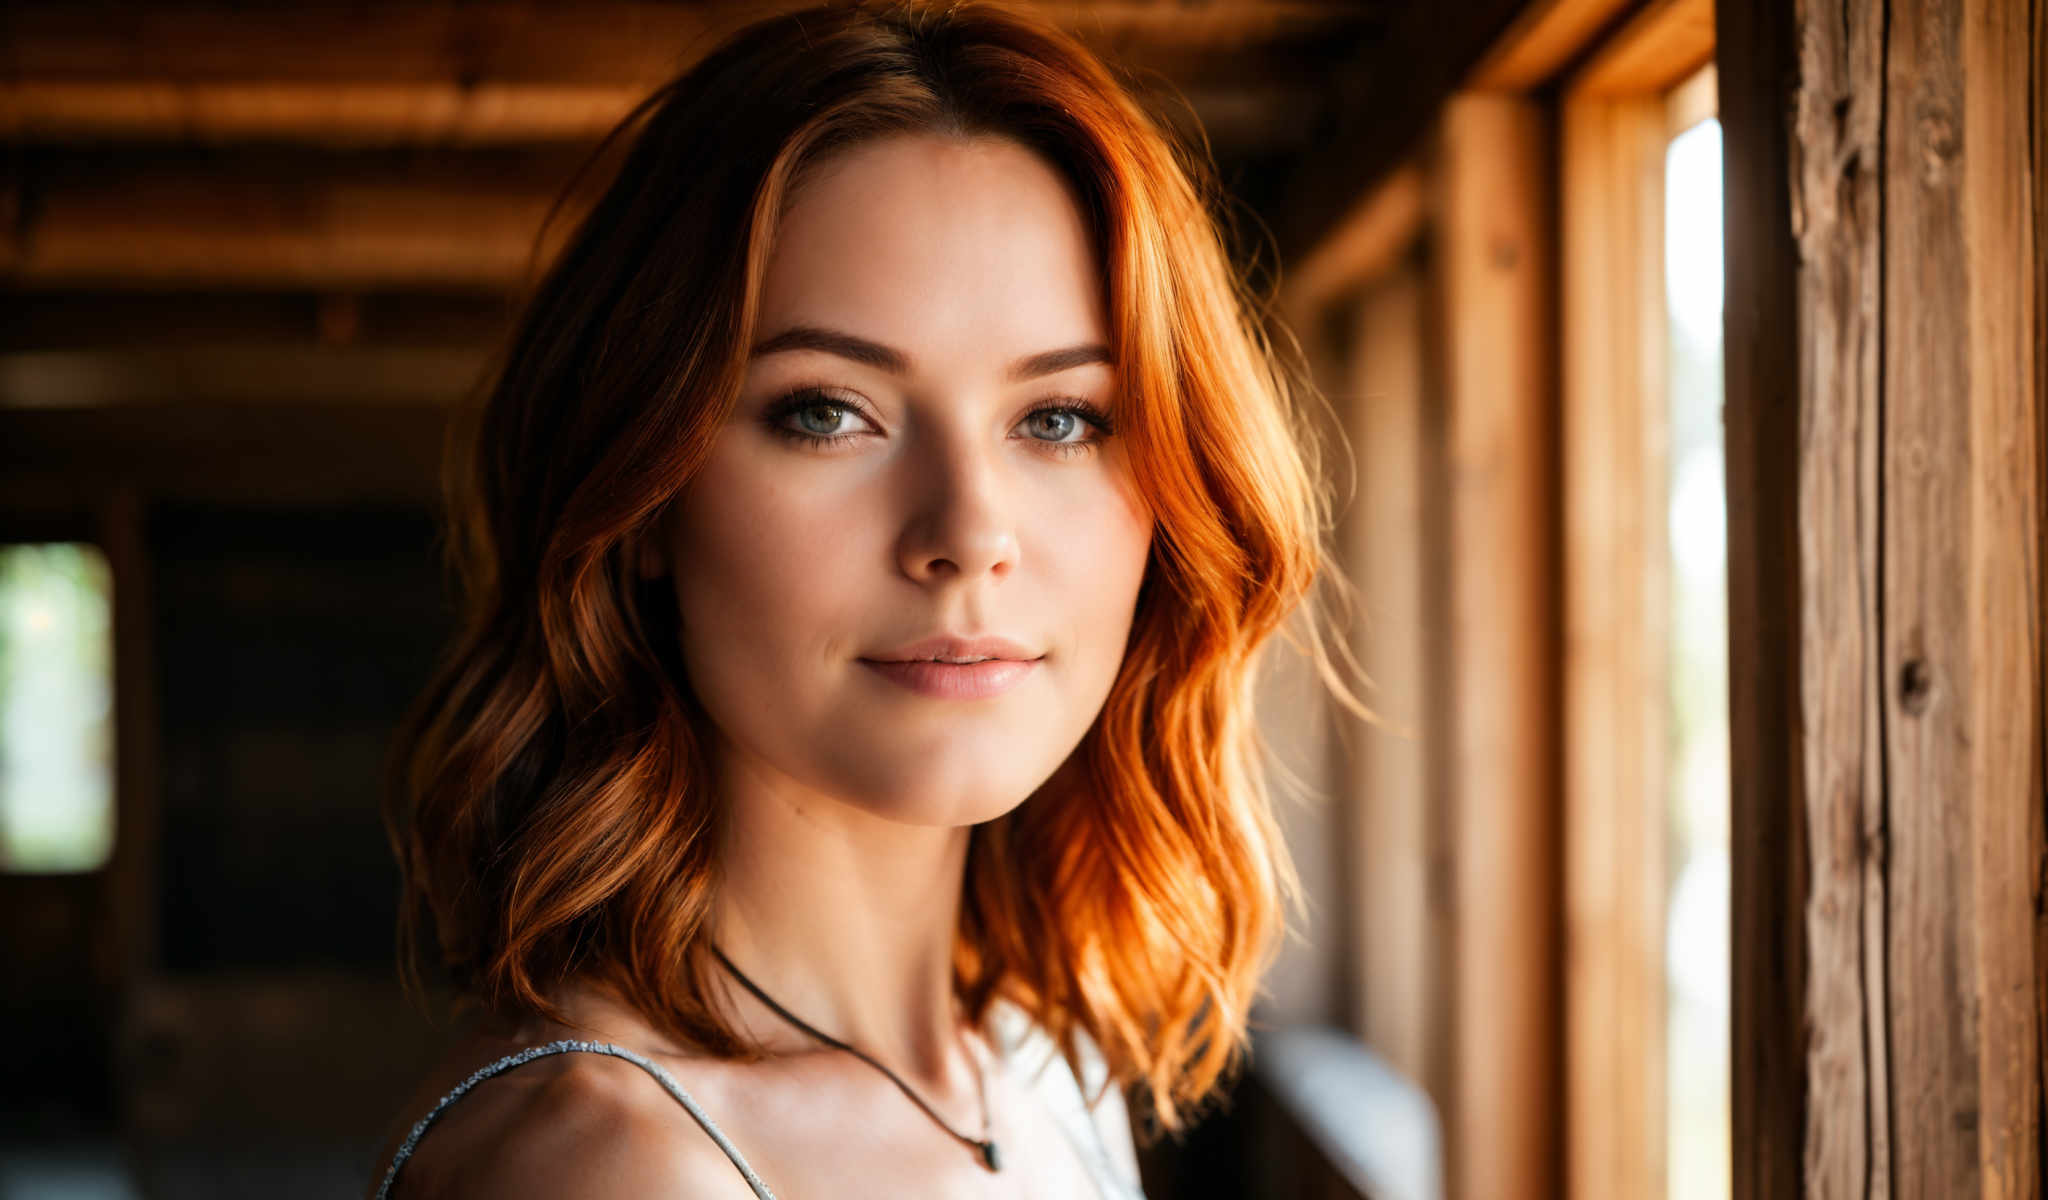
(1916, 686)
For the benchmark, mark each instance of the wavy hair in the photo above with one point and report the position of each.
(551, 810)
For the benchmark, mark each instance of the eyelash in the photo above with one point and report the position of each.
(811, 396)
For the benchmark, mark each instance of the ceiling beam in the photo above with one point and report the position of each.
(501, 71)
(282, 220)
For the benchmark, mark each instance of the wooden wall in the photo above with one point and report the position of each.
(1885, 424)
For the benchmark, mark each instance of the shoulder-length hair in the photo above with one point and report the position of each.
(551, 810)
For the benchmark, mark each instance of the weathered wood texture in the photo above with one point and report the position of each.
(1989, 752)
(1885, 412)
(1615, 481)
(1493, 233)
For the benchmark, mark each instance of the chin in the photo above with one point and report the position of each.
(920, 795)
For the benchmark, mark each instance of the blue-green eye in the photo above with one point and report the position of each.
(1067, 427)
(810, 417)
(822, 419)
(1057, 424)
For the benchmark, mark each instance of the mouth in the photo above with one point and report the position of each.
(957, 667)
(953, 679)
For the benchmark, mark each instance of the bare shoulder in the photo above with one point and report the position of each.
(580, 1127)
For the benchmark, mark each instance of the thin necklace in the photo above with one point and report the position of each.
(984, 1145)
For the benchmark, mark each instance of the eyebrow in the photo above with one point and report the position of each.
(896, 362)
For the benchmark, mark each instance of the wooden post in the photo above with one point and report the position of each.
(1493, 233)
(1616, 714)
(1884, 428)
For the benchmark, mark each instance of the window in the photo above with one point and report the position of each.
(56, 708)
(1696, 917)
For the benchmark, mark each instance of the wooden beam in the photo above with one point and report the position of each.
(254, 454)
(1962, 592)
(500, 71)
(1493, 241)
(276, 220)
(1810, 1078)
(1385, 100)
(1403, 925)
(1616, 700)
(1885, 433)
(108, 376)
(90, 320)
(1368, 242)
(1693, 101)
(1546, 37)
(273, 218)
(1656, 49)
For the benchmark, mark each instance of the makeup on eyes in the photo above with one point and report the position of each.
(807, 397)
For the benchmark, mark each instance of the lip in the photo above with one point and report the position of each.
(952, 646)
(911, 667)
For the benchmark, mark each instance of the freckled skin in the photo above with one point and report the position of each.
(947, 510)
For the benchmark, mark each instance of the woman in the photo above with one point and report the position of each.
(844, 781)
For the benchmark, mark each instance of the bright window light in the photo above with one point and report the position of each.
(56, 708)
(1696, 930)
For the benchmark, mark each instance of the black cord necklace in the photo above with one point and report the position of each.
(984, 1145)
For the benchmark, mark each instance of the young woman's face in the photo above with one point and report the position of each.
(917, 456)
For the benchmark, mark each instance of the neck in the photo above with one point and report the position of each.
(845, 919)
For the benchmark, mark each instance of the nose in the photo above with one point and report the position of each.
(961, 517)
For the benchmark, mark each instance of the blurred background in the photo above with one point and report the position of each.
(252, 255)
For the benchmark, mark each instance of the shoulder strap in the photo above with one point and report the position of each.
(510, 1061)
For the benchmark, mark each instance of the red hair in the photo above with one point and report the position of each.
(552, 812)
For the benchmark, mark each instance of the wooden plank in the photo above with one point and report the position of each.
(186, 320)
(287, 220)
(2003, 417)
(1693, 101)
(1385, 770)
(1383, 227)
(1767, 657)
(258, 454)
(1615, 479)
(1838, 122)
(1545, 39)
(1889, 747)
(1386, 100)
(1494, 223)
(1654, 52)
(1928, 669)
(241, 374)
(494, 72)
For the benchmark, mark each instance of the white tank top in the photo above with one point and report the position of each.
(1022, 1050)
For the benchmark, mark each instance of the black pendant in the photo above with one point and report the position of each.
(989, 1156)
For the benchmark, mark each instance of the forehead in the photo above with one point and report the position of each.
(957, 250)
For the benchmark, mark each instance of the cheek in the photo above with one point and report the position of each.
(756, 565)
(1094, 543)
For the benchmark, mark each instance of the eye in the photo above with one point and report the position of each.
(1062, 427)
(807, 415)
(821, 419)
(1055, 424)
